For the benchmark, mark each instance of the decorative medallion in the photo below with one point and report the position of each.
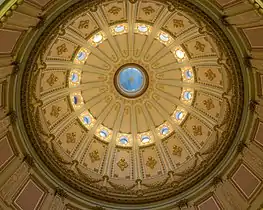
(94, 156)
(130, 85)
(122, 164)
(151, 162)
(131, 80)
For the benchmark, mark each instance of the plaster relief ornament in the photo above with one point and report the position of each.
(210, 75)
(122, 164)
(55, 110)
(94, 156)
(114, 10)
(178, 23)
(132, 102)
(52, 79)
(71, 137)
(197, 130)
(62, 49)
(151, 162)
(209, 104)
(83, 24)
(148, 10)
(177, 150)
(199, 46)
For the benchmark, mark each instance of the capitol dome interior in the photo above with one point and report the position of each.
(131, 105)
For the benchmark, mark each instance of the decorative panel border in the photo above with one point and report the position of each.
(255, 132)
(232, 173)
(12, 146)
(38, 184)
(206, 198)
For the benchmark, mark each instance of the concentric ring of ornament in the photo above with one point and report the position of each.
(123, 139)
(153, 147)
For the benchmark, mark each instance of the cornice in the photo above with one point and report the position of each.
(42, 29)
(7, 10)
(258, 5)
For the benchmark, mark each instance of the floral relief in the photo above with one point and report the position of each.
(210, 75)
(83, 24)
(122, 164)
(55, 110)
(178, 23)
(94, 156)
(209, 104)
(52, 79)
(114, 10)
(62, 49)
(197, 130)
(148, 10)
(71, 137)
(199, 46)
(177, 150)
(151, 162)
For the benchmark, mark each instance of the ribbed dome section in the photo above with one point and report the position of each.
(132, 101)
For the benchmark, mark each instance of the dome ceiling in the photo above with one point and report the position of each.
(132, 101)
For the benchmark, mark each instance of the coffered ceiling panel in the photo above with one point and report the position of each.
(132, 97)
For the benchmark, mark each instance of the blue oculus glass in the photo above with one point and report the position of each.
(123, 140)
(188, 74)
(187, 95)
(75, 77)
(87, 120)
(81, 56)
(75, 99)
(103, 133)
(131, 80)
(145, 139)
(179, 115)
(165, 130)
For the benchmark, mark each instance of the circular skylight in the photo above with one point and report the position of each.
(164, 37)
(119, 28)
(180, 54)
(143, 28)
(145, 139)
(131, 80)
(188, 74)
(87, 120)
(81, 56)
(97, 38)
(188, 95)
(179, 115)
(124, 140)
(165, 130)
(104, 133)
(75, 77)
(75, 99)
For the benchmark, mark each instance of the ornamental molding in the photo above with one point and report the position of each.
(72, 173)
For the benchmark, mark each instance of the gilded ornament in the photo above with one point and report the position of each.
(197, 130)
(199, 46)
(122, 164)
(83, 24)
(148, 10)
(71, 137)
(114, 10)
(94, 156)
(210, 75)
(151, 162)
(62, 49)
(55, 110)
(52, 79)
(177, 150)
(178, 23)
(233, 120)
(209, 104)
